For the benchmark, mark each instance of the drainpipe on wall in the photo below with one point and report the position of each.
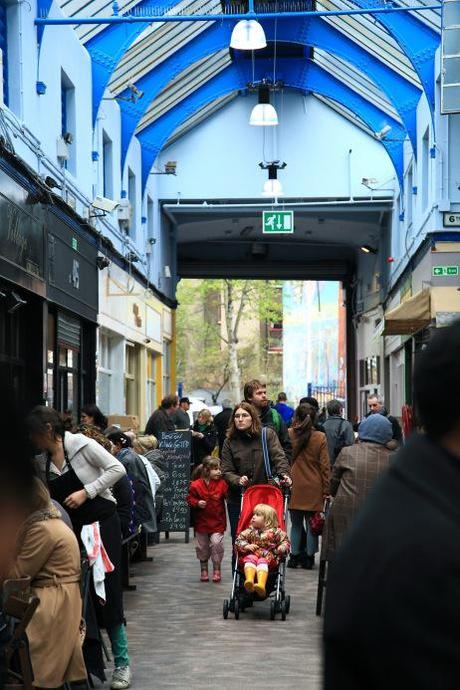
(350, 188)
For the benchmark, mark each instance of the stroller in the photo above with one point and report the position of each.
(239, 598)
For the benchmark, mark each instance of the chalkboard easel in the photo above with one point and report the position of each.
(176, 447)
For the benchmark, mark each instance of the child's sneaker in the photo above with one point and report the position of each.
(216, 576)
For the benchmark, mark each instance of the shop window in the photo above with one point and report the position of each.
(68, 381)
(68, 120)
(425, 168)
(151, 383)
(150, 222)
(369, 371)
(409, 196)
(104, 372)
(131, 376)
(132, 197)
(50, 360)
(107, 165)
(166, 367)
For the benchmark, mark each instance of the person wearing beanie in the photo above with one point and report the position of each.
(353, 475)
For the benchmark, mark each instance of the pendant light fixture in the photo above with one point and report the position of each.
(248, 34)
(263, 114)
(272, 187)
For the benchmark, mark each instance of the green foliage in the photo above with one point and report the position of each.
(206, 308)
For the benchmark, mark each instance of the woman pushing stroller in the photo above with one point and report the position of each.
(261, 547)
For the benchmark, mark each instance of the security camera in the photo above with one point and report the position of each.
(104, 204)
(102, 262)
(383, 132)
(135, 91)
(152, 240)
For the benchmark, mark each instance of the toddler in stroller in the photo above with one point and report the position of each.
(261, 548)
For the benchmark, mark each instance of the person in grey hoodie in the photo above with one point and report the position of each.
(339, 432)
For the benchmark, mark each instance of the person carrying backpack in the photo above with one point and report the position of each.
(339, 432)
(255, 393)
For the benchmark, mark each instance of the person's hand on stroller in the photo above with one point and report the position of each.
(244, 480)
(202, 504)
(285, 480)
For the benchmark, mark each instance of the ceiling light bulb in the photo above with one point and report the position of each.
(263, 115)
(272, 188)
(248, 34)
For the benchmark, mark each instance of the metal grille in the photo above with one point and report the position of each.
(68, 331)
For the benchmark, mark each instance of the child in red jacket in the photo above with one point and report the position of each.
(207, 497)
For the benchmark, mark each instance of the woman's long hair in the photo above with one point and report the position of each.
(302, 425)
(256, 425)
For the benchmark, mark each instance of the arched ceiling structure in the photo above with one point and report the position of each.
(371, 68)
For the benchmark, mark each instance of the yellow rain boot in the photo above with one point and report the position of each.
(249, 574)
(259, 587)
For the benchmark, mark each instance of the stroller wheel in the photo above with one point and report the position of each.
(272, 609)
(225, 609)
(237, 609)
(288, 602)
(283, 610)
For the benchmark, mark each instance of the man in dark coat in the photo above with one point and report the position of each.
(393, 593)
(162, 418)
(255, 393)
(222, 421)
(180, 417)
(376, 406)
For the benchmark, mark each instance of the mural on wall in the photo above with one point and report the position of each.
(314, 357)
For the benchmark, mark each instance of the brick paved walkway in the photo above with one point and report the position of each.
(179, 639)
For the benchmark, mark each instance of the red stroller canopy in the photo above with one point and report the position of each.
(261, 493)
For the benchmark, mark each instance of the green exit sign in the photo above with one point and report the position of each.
(74, 244)
(278, 222)
(445, 271)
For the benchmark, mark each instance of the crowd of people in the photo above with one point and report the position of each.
(73, 478)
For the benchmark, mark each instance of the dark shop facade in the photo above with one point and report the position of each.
(48, 296)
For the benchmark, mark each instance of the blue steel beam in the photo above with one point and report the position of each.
(151, 18)
(313, 32)
(297, 74)
(108, 47)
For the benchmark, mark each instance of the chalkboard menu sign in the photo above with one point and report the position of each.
(176, 448)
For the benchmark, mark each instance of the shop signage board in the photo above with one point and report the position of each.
(21, 235)
(451, 220)
(439, 271)
(176, 447)
(277, 222)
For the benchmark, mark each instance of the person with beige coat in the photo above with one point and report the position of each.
(310, 482)
(48, 553)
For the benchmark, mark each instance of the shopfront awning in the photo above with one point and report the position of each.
(441, 304)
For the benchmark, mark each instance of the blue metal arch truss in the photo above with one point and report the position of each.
(108, 47)
(417, 41)
(297, 74)
(313, 32)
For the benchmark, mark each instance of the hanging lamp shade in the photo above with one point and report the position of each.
(272, 188)
(248, 34)
(263, 114)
